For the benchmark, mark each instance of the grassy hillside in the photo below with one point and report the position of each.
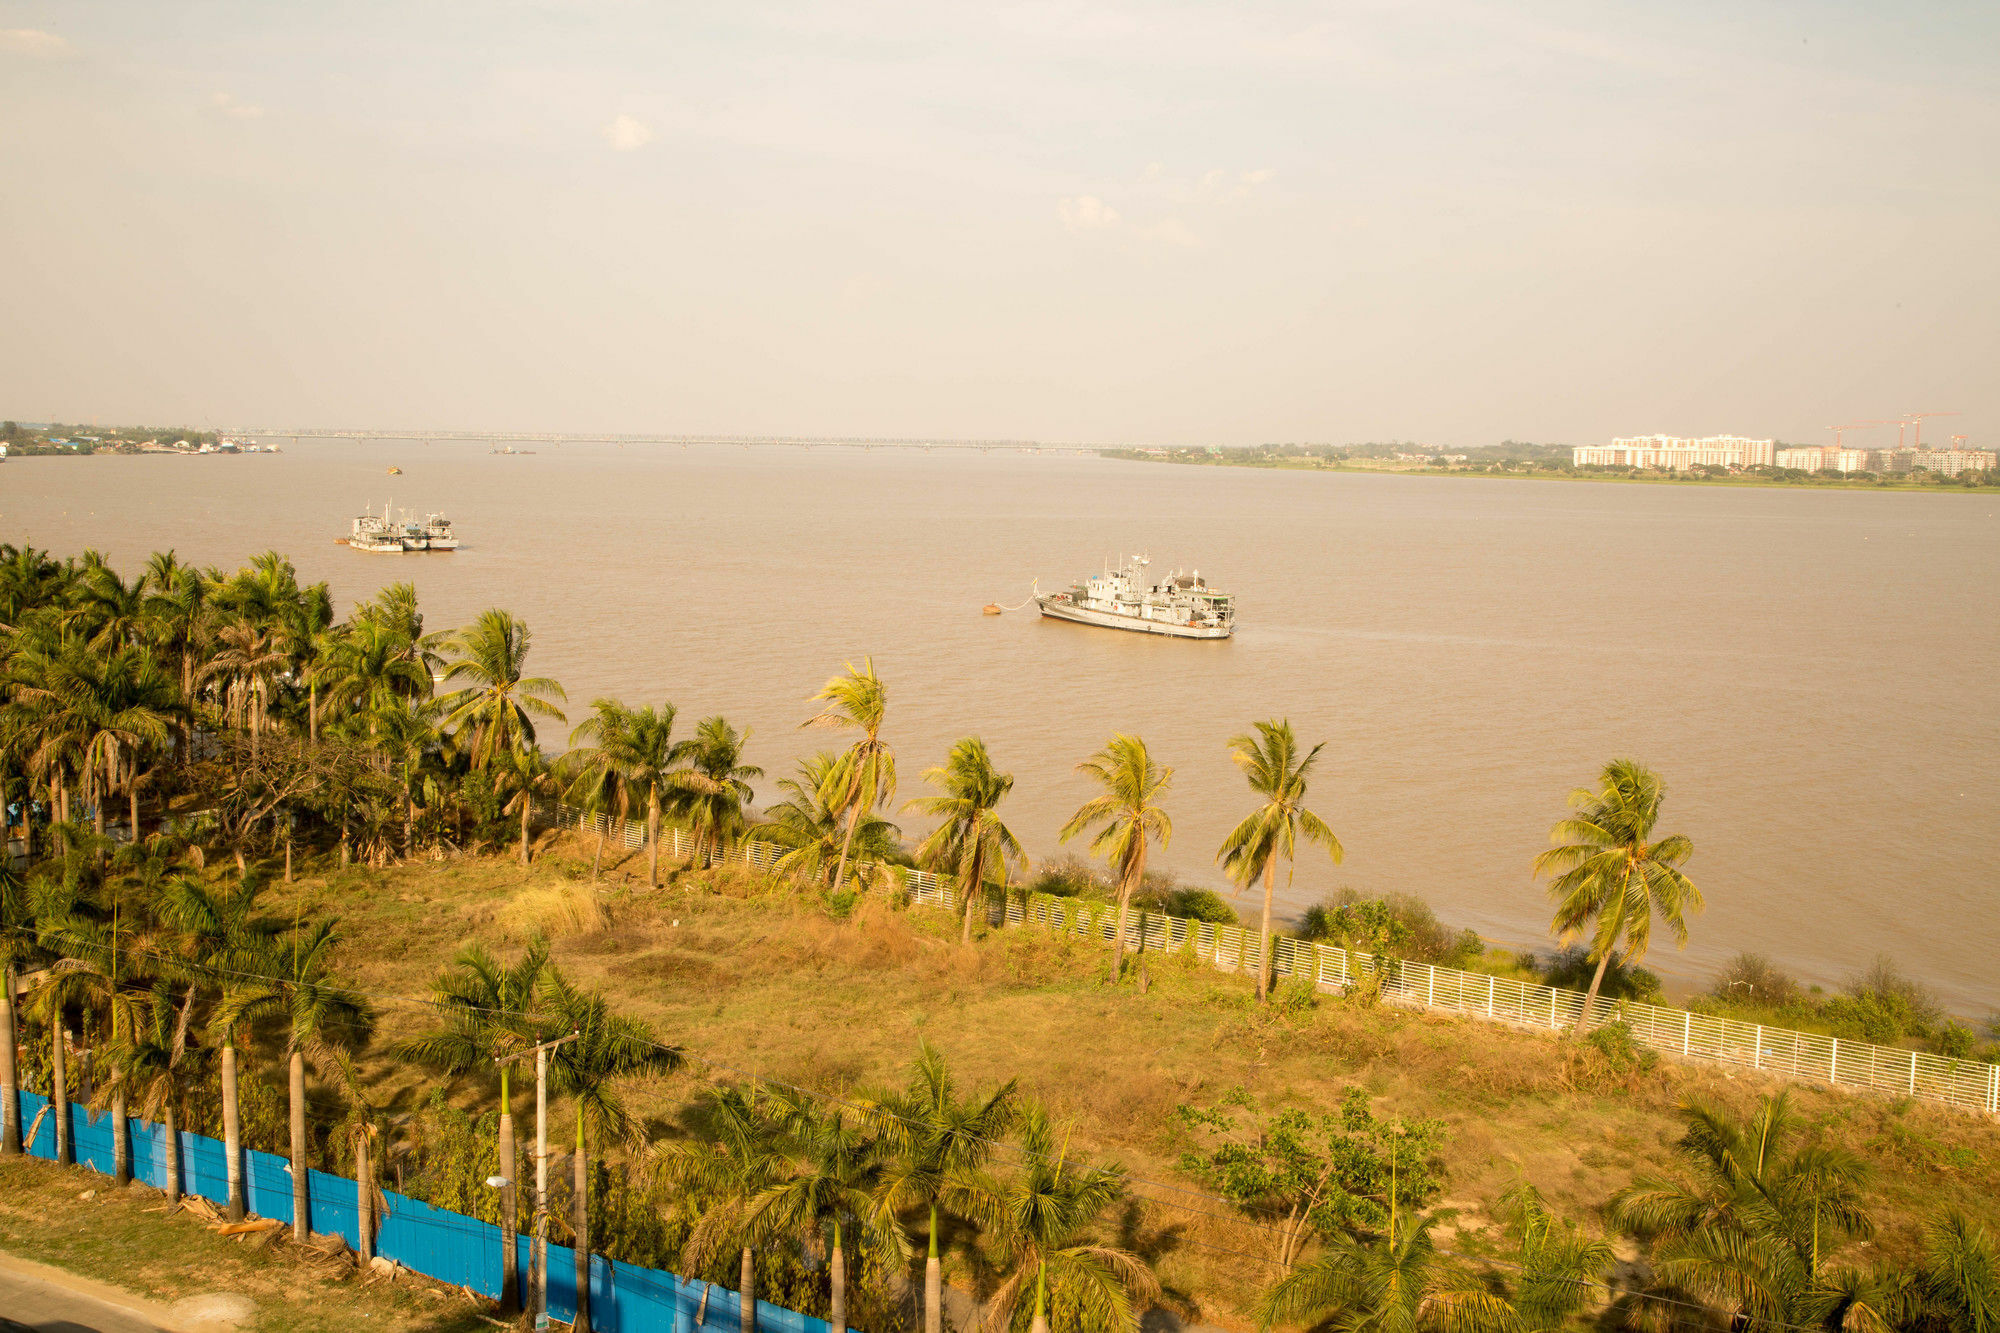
(758, 983)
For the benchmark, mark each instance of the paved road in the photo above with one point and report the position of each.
(33, 1302)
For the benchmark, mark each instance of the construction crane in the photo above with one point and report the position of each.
(1857, 425)
(1916, 420)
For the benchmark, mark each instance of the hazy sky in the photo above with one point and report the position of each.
(1447, 221)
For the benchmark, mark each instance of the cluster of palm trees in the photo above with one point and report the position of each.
(1752, 1233)
(866, 1178)
(245, 691)
(882, 1174)
(164, 984)
(835, 799)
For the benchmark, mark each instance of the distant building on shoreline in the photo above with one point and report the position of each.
(1674, 453)
(1951, 462)
(1825, 458)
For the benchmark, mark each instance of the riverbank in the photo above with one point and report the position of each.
(1202, 458)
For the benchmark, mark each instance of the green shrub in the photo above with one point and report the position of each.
(1754, 977)
(1398, 925)
(1573, 968)
(1198, 905)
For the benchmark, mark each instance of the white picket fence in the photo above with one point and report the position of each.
(1780, 1052)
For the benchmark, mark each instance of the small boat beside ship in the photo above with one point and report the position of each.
(1181, 606)
(384, 534)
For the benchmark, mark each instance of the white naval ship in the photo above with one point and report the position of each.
(1181, 605)
(380, 532)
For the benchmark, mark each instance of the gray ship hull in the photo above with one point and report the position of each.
(1057, 607)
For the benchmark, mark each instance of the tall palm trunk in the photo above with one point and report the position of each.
(846, 843)
(933, 1282)
(837, 1269)
(1603, 963)
(232, 1129)
(975, 893)
(1590, 996)
(597, 861)
(10, 1088)
(132, 794)
(1040, 1323)
(582, 1191)
(301, 1203)
(746, 1295)
(364, 1200)
(1133, 879)
(524, 830)
(510, 1263)
(1264, 933)
(121, 1135)
(653, 836)
(171, 1117)
(59, 1093)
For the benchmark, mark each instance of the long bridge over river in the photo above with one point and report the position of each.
(515, 438)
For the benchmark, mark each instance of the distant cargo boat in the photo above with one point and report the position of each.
(1181, 606)
(381, 533)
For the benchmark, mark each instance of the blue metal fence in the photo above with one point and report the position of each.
(450, 1247)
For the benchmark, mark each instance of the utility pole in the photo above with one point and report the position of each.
(539, 1257)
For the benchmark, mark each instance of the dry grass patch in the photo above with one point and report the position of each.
(737, 969)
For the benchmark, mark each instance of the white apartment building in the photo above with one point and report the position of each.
(1951, 462)
(1825, 458)
(1677, 454)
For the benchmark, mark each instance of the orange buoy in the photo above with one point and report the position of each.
(993, 609)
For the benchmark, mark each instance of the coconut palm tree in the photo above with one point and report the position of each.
(594, 786)
(395, 609)
(863, 778)
(740, 1161)
(247, 663)
(524, 776)
(607, 1050)
(1044, 1220)
(813, 834)
(217, 936)
(822, 1196)
(497, 703)
(939, 1141)
(176, 614)
(1130, 815)
(156, 1059)
(484, 1012)
(93, 973)
(711, 791)
(1276, 772)
(405, 733)
(1610, 877)
(1750, 1220)
(369, 671)
(305, 631)
(111, 612)
(324, 1022)
(970, 842)
(29, 581)
(16, 920)
(638, 746)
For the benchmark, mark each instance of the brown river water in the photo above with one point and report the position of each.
(1813, 672)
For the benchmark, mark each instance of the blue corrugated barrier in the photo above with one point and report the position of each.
(450, 1247)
